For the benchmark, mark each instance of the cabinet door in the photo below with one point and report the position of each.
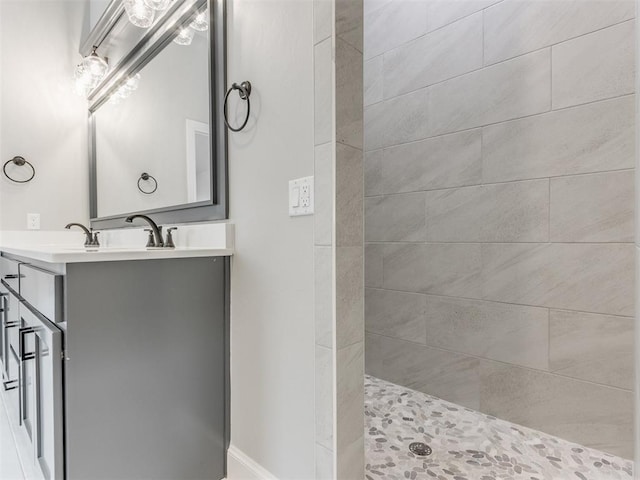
(43, 359)
(11, 323)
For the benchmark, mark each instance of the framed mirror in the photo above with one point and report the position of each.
(157, 136)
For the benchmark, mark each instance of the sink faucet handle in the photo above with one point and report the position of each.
(169, 242)
(150, 241)
(95, 242)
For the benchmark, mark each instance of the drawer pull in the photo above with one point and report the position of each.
(24, 356)
(10, 385)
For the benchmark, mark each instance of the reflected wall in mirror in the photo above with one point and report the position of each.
(161, 128)
(158, 113)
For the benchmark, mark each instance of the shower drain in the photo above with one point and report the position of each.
(420, 449)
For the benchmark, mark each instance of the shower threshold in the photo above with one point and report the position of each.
(466, 444)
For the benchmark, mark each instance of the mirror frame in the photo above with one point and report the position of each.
(152, 43)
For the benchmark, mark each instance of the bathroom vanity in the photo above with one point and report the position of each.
(115, 361)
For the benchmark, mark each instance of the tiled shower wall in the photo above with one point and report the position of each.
(338, 239)
(499, 193)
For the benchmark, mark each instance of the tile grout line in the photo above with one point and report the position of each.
(502, 362)
(501, 122)
(501, 302)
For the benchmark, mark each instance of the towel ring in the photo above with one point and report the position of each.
(146, 177)
(20, 162)
(244, 90)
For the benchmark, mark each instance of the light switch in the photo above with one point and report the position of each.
(294, 199)
(301, 197)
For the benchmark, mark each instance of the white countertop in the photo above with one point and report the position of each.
(195, 240)
(68, 254)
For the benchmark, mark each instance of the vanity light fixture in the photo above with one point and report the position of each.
(139, 12)
(158, 4)
(184, 37)
(94, 65)
(125, 90)
(201, 22)
(89, 72)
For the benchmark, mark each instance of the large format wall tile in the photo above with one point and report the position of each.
(324, 396)
(508, 212)
(349, 196)
(323, 295)
(587, 277)
(509, 90)
(350, 411)
(348, 94)
(514, 27)
(349, 22)
(593, 208)
(372, 80)
(323, 189)
(373, 255)
(589, 138)
(498, 331)
(395, 218)
(390, 24)
(349, 267)
(399, 120)
(323, 91)
(592, 415)
(445, 53)
(444, 374)
(594, 67)
(324, 463)
(322, 12)
(437, 268)
(439, 162)
(597, 348)
(444, 12)
(395, 314)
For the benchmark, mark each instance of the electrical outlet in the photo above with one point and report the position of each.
(301, 197)
(33, 221)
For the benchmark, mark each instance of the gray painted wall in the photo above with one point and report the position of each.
(499, 167)
(41, 117)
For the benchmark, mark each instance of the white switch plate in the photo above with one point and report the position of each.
(33, 221)
(301, 200)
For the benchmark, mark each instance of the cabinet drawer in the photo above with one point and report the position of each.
(43, 291)
(9, 273)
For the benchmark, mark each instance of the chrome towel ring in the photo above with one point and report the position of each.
(146, 177)
(244, 90)
(20, 162)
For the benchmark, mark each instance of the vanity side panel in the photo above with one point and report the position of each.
(146, 369)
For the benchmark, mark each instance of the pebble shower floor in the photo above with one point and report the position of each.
(468, 445)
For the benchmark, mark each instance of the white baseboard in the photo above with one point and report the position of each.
(242, 467)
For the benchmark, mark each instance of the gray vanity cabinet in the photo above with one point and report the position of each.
(123, 367)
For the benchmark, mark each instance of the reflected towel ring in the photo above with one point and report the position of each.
(146, 177)
(19, 161)
(244, 90)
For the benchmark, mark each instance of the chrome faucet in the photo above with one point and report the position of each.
(91, 240)
(157, 231)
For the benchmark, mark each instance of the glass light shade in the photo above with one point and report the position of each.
(95, 66)
(184, 37)
(158, 4)
(84, 81)
(201, 22)
(132, 83)
(139, 13)
(123, 92)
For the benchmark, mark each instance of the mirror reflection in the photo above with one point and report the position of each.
(152, 142)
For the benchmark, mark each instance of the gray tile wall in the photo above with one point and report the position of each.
(499, 208)
(339, 238)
